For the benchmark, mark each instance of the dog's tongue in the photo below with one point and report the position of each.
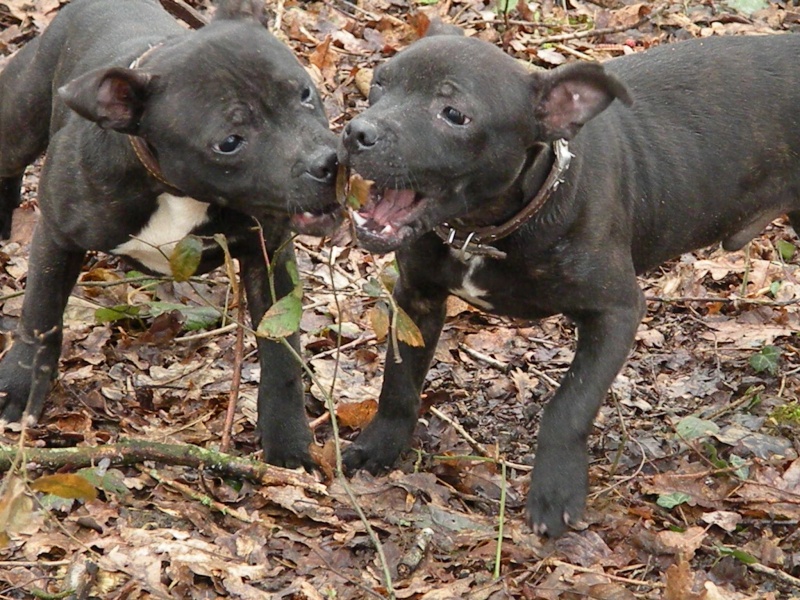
(392, 205)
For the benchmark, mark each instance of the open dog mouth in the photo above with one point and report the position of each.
(317, 222)
(388, 218)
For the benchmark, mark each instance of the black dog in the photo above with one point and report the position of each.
(480, 199)
(156, 132)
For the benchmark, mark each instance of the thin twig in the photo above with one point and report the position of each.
(203, 499)
(601, 573)
(476, 445)
(575, 35)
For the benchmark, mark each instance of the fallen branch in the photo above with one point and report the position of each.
(130, 452)
(721, 300)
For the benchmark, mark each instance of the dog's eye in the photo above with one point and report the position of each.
(307, 96)
(230, 145)
(454, 116)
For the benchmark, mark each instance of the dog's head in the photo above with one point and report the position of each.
(231, 116)
(450, 126)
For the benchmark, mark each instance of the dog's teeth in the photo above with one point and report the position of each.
(387, 229)
(360, 221)
(308, 215)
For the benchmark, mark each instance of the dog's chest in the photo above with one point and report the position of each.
(468, 288)
(174, 218)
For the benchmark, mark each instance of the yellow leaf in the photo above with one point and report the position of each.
(66, 485)
(358, 192)
(407, 330)
(379, 318)
(16, 509)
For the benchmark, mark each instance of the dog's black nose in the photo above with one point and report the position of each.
(323, 166)
(360, 134)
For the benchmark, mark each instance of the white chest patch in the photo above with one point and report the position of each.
(468, 291)
(174, 218)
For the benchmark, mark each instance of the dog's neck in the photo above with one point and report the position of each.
(541, 175)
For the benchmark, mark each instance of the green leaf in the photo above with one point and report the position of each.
(672, 500)
(690, 428)
(185, 258)
(786, 249)
(282, 319)
(116, 313)
(766, 360)
(407, 330)
(504, 6)
(196, 317)
(743, 470)
(738, 554)
(747, 7)
(774, 287)
(373, 288)
(111, 480)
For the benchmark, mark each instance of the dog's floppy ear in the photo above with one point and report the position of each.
(439, 27)
(241, 9)
(566, 98)
(114, 98)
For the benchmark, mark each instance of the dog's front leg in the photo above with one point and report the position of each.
(28, 368)
(560, 479)
(389, 433)
(282, 422)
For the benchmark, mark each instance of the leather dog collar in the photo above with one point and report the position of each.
(149, 161)
(478, 240)
(140, 146)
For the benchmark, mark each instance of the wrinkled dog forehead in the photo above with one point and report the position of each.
(468, 64)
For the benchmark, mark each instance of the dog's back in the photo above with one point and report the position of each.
(92, 30)
(713, 135)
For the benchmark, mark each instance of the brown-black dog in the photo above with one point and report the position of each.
(671, 150)
(153, 132)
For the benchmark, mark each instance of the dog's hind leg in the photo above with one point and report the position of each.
(25, 101)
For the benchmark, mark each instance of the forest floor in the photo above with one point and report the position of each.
(694, 474)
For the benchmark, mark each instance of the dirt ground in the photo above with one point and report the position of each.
(695, 476)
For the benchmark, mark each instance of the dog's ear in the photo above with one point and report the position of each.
(439, 27)
(241, 9)
(113, 98)
(566, 98)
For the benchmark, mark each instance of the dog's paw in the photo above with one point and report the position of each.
(557, 495)
(15, 384)
(377, 448)
(289, 451)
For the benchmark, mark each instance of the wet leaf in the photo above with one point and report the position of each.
(66, 485)
(186, 257)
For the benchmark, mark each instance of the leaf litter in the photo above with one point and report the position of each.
(695, 476)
